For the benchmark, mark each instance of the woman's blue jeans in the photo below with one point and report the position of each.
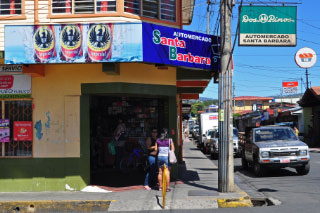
(151, 176)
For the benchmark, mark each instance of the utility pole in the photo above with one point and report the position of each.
(225, 164)
(208, 16)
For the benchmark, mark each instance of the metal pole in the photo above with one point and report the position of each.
(208, 17)
(307, 78)
(225, 164)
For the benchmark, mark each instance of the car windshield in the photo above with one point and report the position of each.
(265, 135)
(210, 132)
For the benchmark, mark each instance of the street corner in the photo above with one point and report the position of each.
(243, 200)
(56, 206)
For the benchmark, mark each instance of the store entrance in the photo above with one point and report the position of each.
(124, 162)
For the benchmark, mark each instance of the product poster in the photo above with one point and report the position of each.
(22, 131)
(73, 43)
(4, 130)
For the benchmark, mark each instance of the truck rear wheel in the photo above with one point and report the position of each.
(244, 162)
(257, 168)
(303, 170)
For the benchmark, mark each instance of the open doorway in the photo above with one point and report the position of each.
(140, 115)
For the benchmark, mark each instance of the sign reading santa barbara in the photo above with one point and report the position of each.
(171, 46)
(268, 26)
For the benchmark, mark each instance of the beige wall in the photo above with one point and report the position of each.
(56, 101)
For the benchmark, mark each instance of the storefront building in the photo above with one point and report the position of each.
(82, 67)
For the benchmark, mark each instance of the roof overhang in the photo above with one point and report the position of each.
(192, 82)
(187, 11)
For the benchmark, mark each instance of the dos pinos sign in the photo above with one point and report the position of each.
(268, 26)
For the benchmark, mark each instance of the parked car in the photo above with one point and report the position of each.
(213, 149)
(195, 131)
(206, 140)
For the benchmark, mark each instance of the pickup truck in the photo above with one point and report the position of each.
(274, 147)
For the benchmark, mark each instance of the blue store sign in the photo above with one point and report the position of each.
(171, 46)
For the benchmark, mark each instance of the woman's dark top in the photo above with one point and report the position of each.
(153, 143)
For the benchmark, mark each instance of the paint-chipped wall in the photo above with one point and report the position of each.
(56, 99)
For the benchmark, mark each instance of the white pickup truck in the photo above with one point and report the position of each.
(274, 147)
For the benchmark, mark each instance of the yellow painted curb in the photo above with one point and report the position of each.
(55, 205)
(235, 202)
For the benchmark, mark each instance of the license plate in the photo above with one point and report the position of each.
(284, 160)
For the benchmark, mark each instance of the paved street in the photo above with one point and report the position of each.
(292, 190)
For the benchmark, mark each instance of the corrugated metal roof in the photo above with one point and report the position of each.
(249, 98)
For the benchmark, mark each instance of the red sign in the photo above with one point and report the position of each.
(22, 130)
(290, 84)
(213, 117)
(6, 81)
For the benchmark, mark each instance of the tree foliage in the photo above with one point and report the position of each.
(201, 106)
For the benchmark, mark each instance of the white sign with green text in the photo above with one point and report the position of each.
(268, 26)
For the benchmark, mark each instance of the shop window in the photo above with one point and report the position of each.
(132, 6)
(16, 110)
(168, 10)
(10, 7)
(156, 9)
(83, 6)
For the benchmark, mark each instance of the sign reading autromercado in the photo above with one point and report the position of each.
(110, 42)
(268, 26)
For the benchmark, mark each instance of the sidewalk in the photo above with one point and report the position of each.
(196, 189)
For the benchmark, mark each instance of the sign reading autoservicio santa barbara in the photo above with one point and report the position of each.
(165, 45)
(268, 26)
(305, 57)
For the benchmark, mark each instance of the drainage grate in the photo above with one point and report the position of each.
(256, 202)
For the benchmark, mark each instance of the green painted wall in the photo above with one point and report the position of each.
(40, 174)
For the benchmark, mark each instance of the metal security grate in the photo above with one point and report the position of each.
(168, 10)
(20, 110)
(10, 7)
(83, 6)
(132, 6)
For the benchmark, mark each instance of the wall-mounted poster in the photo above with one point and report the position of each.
(4, 130)
(22, 130)
(15, 86)
(73, 43)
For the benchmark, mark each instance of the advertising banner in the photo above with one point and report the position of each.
(4, 130)
(171, 46)
(268, 26)
(22, 131)
(111, 42)
(290, 87)
(73, 43)
(15, 86)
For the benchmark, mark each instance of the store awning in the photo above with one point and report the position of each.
(190, 83)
